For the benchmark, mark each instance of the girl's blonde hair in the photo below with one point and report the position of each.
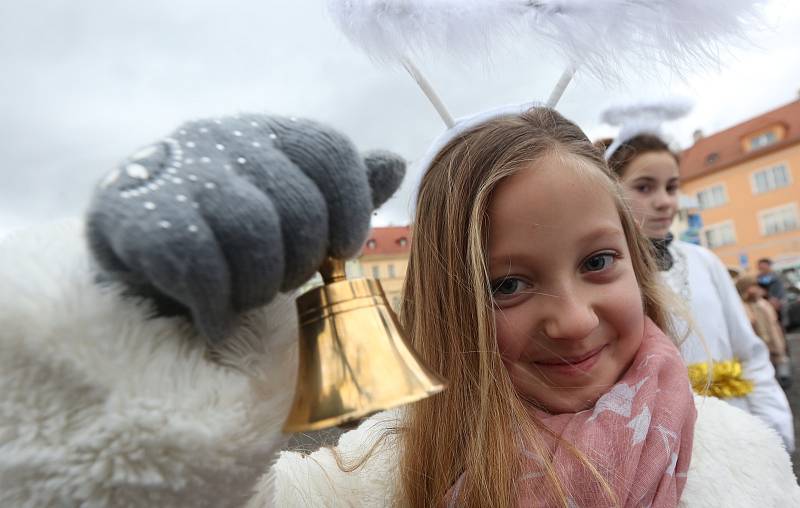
(475, 425)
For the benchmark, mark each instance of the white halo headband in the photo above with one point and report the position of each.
(602, 37)
(643, 117)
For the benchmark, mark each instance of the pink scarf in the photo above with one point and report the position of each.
(638, 436)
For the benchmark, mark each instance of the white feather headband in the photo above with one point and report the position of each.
(603, 37)
(643, 117)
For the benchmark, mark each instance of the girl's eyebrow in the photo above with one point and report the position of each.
(602, 232)
(504, 260)
(650, 179)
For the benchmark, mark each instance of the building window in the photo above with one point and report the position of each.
(779, 220)
(391, 271)
(712, 197)
(402, 242)
(371, 243)
(376, 272)
(770, 179)
(712, 158)
(762, 140)
(719, 235)
(353, 269)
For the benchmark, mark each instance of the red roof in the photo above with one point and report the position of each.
(388, 241)
(726, 148)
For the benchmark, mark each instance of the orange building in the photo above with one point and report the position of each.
(385, 257)
(747, 183)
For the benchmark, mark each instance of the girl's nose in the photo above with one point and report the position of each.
(571, 317)
(662, 200)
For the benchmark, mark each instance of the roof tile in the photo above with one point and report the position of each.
(387, 241)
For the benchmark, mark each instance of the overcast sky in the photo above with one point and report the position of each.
(85, 83)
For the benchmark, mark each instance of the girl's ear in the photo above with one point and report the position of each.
(385, 172)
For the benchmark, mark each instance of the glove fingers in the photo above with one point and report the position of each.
(245, 225)
(331, 161)
(302, 211)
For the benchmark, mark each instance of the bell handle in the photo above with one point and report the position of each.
(332, 270)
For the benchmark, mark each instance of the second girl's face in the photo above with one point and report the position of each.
(651, 184)
(567, 306)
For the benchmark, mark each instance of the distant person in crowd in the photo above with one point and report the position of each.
(764, 319)
(741, 371)
(772, 283)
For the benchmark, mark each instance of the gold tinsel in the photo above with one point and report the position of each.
(726, 379)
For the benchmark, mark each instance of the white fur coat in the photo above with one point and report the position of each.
(101, 406)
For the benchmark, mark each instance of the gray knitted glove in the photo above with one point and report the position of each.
(221, 215)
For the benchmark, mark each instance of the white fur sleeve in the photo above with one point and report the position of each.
(737, 461)
(101, 405)
(316, 480)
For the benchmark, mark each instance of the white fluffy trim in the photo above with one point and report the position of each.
(596, 34)
(643, 117)
(736, 462)
(101, 406)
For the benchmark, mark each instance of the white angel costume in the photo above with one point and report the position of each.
(741, 372)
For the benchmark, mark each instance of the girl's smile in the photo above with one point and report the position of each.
(572, 365)
(567, 306)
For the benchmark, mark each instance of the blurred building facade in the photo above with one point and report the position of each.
(743, 190)
(686, 224)
(385, 257)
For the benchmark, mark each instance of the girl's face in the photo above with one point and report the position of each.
(567, 306)
(651, 185)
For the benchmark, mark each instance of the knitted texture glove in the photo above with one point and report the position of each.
(218, 217)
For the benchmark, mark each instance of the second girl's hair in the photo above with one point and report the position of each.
(475, 426)
(629, 150)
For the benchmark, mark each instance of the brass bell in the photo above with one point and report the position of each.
(354, 359)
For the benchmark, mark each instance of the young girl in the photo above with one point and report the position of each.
(530, 290)
(741, 371)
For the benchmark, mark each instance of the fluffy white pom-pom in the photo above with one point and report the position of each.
(643, 117)
(652, 111)
(594, 34)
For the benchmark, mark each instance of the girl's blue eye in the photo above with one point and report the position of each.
(598, 262)
(510, 286)
(506, 287)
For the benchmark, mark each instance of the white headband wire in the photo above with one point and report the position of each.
(429, 92)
